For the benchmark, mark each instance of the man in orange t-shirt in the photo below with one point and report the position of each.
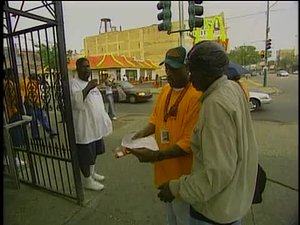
(245, 89)
(34, 106)
(172, 121)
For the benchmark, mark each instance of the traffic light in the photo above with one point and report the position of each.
(262, 54)
(269, 53)
(195, 11)
(165, 15)
(268, 44)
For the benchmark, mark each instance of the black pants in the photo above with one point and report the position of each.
(87, 154)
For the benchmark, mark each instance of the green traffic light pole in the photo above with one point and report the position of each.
(177, 31)
(266, 53)
(199, 21)
(181, 23)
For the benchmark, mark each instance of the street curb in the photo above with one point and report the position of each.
(259, 87)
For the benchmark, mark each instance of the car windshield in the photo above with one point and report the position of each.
(283, 71)
(126, 85)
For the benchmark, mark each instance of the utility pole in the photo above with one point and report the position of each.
(244, 54)
(266, 53)
(181, 22)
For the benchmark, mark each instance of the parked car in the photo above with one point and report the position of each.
(164, 77)
(257, 99)
(133, 94)
(282, 73)
(295, 72)
(254, 73)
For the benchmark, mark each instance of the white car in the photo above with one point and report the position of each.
(282, 73)
(257, 99)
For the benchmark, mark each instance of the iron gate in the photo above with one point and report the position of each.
(36, 84)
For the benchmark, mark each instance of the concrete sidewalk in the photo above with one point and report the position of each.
(129, 196)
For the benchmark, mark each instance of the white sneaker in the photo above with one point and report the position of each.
(18, 162)
(98, 177)
(114, 118)
(5, 161)
(91, 184)
(95, 176)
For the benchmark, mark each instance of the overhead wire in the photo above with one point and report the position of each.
(237, 18)
(273, 4)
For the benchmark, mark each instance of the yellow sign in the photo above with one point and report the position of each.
(213, 29)
(223, 43)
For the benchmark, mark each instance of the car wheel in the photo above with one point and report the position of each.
(254, 104)
(132, 99)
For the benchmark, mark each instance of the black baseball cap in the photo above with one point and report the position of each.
(175, 57)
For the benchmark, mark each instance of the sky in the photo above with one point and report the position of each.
(82, 19)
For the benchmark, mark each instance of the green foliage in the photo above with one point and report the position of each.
(49, 57)
(289, 62)
(244, 55)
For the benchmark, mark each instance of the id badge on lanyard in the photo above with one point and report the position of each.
(165, 136)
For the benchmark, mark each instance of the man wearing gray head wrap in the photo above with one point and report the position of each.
(221, 185)
(209, 60)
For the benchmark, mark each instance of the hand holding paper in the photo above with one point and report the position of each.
(146, 142)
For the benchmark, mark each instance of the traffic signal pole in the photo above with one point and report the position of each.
(181, 22)
(195, 11)
(266, 54)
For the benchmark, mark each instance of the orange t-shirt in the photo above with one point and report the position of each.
(180, 129)
(31, 93)
(10, 98)
(245, 89)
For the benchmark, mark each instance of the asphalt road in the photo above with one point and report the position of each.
(283, 108)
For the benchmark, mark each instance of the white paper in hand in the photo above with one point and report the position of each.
(146, 142)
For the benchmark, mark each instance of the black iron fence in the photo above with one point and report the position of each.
(36, 84)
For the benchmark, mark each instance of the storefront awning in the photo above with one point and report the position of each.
(109, 61)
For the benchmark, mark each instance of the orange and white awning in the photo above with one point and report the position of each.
(110, 61)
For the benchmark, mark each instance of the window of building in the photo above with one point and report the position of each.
(131, 74)
(118, 73)
(103, 74)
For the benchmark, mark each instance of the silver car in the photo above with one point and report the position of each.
(282, 73)
(257, 99)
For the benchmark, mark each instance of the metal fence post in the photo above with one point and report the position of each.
(8, 147)
(66, 90)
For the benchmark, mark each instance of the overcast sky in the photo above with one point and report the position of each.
(82, 19)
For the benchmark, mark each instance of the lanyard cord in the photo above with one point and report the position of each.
(174, 108)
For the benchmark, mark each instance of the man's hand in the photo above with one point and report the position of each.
(92, 84)
(144, 154)
(138, 135)
(165, 195)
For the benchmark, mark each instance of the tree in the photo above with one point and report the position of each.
(50, 58)
(69, 55)
(244, 55)
(288, 62)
